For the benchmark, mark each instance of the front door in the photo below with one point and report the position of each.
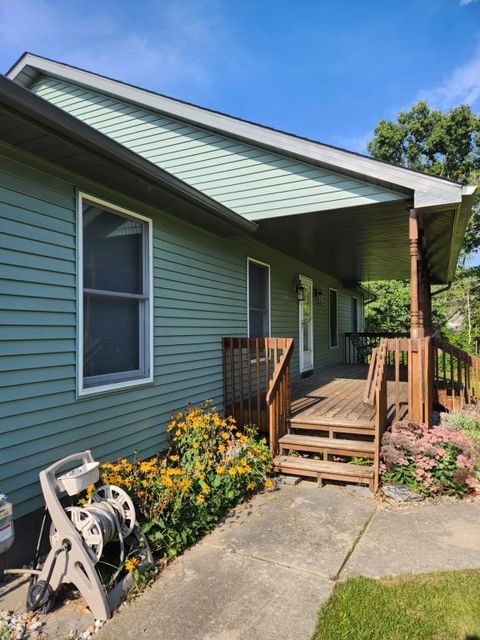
(306, 326)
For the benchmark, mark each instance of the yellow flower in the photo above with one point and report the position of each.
(225, 435)
(200, 499)
(185, 484)
(220, 470)
(206, 489)
(131, 564)
(201, 476)
(195, 445)
(147, 466)
(174, 458)
(221, 448)
(269, 484)
(90, 491)
(250, 486)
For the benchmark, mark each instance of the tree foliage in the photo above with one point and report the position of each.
(445, 144)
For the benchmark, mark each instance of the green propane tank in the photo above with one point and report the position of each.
(7, 533)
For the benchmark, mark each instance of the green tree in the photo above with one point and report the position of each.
(445, 144)
(389, 309)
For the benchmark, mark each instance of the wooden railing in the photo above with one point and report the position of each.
(435, 372)
(411, 362)
(359, 346)
(279, 397)
(256, 383)
(456, 376)
(376, 395)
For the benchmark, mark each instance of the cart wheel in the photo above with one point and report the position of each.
(40, 597)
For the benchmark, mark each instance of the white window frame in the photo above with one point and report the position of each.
(146, 355)
(335, 346)
(263, 264)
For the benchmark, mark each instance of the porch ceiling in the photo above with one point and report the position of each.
(361, 243)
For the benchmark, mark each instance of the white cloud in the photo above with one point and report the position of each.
(462, 86)
(464, 3)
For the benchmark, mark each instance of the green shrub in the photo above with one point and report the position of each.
(211, 467)
(466, 421)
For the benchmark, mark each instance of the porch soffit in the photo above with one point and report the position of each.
(361, 244)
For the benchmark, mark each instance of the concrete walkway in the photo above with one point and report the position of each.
(261, 575)
(267, 570)
(418, 539)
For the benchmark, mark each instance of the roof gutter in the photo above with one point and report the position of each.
(54, 119)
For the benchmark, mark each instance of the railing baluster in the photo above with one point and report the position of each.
(240, 379)
(259, 389)
(249, 381)
(397, 379)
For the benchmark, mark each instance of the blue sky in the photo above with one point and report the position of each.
(326, 70)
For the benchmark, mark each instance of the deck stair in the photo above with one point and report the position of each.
(313, 450)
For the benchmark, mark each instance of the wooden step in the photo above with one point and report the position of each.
(323, 469)
(333, 425)
(318, 444)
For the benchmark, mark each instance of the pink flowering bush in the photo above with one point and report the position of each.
(440, 460)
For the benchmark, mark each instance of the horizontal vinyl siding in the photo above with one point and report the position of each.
(250, 180)
(199, 297)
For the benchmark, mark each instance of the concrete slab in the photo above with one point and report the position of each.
(212, 594)
(306, 528)
(418, 539)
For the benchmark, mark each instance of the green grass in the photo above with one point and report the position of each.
(436, 606)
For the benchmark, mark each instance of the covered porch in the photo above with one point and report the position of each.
(330, 425)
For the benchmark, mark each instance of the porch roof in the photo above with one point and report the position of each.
(369, 242)
(352, 239)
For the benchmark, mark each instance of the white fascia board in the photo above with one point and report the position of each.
(427, 191)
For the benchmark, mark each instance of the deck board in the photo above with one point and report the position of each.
(337, 392)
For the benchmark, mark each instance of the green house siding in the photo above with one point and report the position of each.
(200, 296)
(252, 181)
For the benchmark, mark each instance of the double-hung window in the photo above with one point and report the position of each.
(333, 317)
(115, 288)
(258, 299)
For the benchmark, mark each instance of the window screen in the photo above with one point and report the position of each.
(116, 305)
(333, 320)
(258, 300)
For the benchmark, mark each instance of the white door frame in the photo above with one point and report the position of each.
(305, 364)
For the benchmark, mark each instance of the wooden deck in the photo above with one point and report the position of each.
(335, 395)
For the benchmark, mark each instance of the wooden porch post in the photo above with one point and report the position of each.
(419, 363)
(427, 294)
(416, 329)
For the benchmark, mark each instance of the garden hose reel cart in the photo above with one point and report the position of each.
(79, 534)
